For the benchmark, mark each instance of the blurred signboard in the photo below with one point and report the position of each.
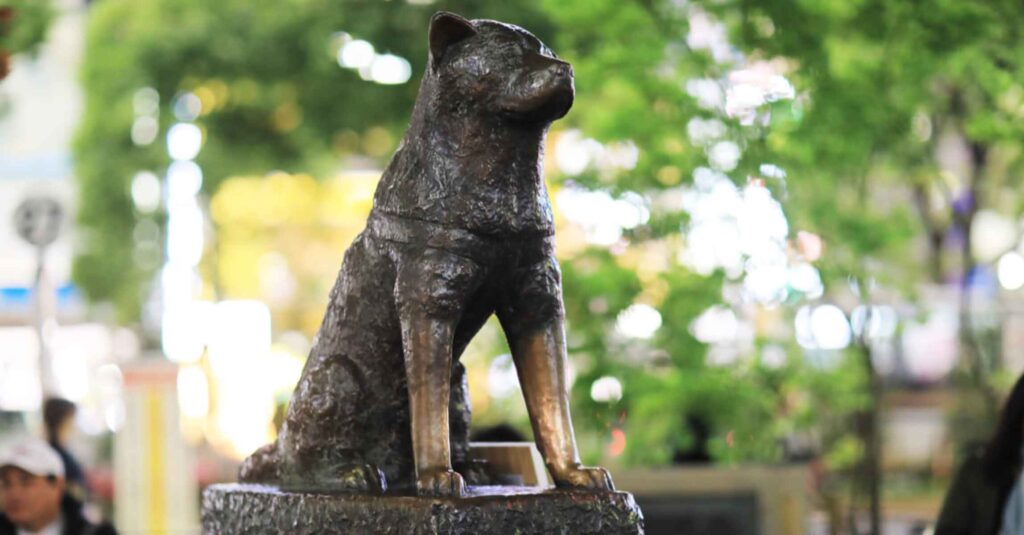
(38, 220)
(156, 488)
(713, 500)
(19, 259)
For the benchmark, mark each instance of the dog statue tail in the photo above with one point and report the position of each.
(261, 466)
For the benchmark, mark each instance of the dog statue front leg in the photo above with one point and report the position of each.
(428, 358)
(533, 319)
(541, 365)
(432, 288)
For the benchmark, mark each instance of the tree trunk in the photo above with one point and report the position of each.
(970, 350)
(936, 234)
(867, 481)
(871, 438)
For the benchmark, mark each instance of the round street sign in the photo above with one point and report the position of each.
(38, 220)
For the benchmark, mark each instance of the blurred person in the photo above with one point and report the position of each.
(502, 432)
(33, 498)
(986, 497)
(59, 420)
(697, 451)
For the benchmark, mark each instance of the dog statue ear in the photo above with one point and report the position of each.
(446, 29)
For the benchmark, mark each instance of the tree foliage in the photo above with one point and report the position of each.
(274, 98)
(912, 129)
(23, 25)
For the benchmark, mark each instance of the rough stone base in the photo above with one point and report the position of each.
(258, 510)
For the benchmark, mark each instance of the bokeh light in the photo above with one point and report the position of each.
(146, 192)
(606, 389)
(356, 54)
(187, 107)
(389, 69)
(601, 217)
(193, 392)
(502, 379)
(145, 130)
(1010, 270)
(184, 141)
(829, 327)
(874, 321)
(715, 325)
(822, 327)
(638, 321)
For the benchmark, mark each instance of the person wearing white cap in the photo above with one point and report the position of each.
(33, 497)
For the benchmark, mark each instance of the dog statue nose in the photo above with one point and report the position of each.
(563, 69)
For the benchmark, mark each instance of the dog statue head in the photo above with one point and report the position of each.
(495, 69)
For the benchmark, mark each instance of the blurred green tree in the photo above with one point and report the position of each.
(272, 94)
(23, 25)
(911, 128)
(632, 63)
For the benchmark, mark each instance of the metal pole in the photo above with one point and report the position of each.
(38, 221)
(45, 324)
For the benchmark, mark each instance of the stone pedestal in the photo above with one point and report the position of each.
(258, 510)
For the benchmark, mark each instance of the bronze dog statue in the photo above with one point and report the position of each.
(461, 228)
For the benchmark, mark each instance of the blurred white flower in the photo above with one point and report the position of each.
(809, 245)
(708, 34)
(638, 321)
(805, 278)
(766, 284)
(708, 93)
(773, 356)
(1010, 270)
(601, 217)
(822, 327)
(575, 153)
(618, 155)
(705, 178)
(754, 86)
(724, 155)
(742, 101)
(992, 234)
(765, 77)
(502, 379)
(875, 321)
(717, 324)
(762, 222)
(606, 389)
(703, 131)
(772, 171)
(714, 244)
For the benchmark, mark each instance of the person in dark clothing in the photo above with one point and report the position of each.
(59, 418)
(32, 492)
(978, 496)
(697, 451)
(74, 523)
(498, 433)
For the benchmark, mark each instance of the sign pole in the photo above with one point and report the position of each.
(38, 221)
(46, 324)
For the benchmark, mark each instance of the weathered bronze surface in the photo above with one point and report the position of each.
(259, 510)
(461, 229)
